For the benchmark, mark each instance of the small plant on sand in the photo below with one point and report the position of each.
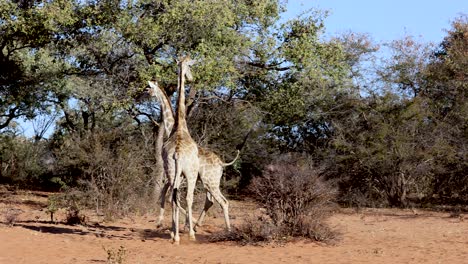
(73, 201)
(53, 205)
(116, 256)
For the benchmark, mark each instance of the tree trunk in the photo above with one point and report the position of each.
(397, 190)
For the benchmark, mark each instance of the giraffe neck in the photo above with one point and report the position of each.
(181, 122)
(167, 112)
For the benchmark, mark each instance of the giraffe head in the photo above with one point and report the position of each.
(166, 110)
(184, 65)
(153, 89)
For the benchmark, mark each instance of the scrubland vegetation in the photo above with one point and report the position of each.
(319, 120)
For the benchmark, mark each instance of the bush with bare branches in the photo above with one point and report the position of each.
(296, 201)
(295, 197)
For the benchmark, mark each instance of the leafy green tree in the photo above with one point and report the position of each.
(30, 73)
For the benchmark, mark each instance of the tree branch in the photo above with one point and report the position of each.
(10, 116)
(265, 66)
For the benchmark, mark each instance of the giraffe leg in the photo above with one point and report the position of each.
(191, 181)
(208, 204)
(218, 196)
(162, 199)
(175, 206)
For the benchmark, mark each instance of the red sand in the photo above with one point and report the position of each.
(369, 236)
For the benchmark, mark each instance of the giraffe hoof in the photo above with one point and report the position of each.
(175, 242)
(192, 238)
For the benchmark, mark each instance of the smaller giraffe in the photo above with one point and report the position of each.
(210, 170)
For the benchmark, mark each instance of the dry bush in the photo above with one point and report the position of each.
(253, 231)
(73, 201)
(11, 216)
(297, 201)
(113, 173)
(295, 197)
(74, 217)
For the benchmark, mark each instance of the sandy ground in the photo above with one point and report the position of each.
(368, 236)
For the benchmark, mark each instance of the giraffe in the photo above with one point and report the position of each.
(210, 169)
(210, 172)
(180, 155)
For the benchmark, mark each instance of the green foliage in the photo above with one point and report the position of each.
(447, 98)
(23, 162)
(381, 145)
(30, 73)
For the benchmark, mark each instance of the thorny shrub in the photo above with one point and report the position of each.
(113, 174)
(297, 201)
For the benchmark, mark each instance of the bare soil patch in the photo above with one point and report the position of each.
(368, 236)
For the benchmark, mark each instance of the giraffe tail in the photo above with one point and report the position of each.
(232, 162)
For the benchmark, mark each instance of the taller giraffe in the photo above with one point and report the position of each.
(210, 170)
(180, 155)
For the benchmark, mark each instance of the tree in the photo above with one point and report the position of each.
(407, 140)
(30, 73)
(445, 91)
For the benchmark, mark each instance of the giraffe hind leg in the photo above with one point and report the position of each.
(191, 177)
(218, 196)
(206, 207)
(176, 205)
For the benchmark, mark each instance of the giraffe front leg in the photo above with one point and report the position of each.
(162, 199)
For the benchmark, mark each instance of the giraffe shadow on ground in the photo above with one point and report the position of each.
(100, 231)
(164, 233)
(53, 229)
(110, 232)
